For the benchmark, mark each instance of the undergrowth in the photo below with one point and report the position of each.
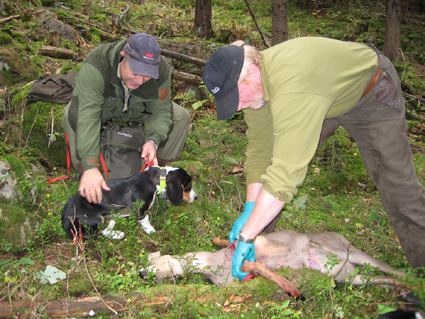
(337, 194)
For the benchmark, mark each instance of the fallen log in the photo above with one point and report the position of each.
(187, 77)
(62, 53)
(9, 18)
(90, 306)
(56, 52)
(75, 307)
(183, 57)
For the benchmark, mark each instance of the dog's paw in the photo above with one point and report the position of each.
(145, 273)
(110, 233)
(146, 225)
(113, 234)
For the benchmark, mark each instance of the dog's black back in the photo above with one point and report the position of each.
(123, 193)
(402, 314)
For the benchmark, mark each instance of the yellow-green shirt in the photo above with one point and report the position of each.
(306, 80)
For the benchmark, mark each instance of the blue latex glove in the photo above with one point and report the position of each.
(241, 221)
(243, 251)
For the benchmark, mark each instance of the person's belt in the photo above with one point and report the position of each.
(373, 81)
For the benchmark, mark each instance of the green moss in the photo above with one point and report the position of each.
(17, 228)
(5, 39)
(37, 126)
(17, 165)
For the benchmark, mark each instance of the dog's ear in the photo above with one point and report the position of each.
(174, 190)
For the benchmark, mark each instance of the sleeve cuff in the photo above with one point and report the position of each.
(281, 195)
(90, 163)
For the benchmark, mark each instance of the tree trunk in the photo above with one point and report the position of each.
(392, 30)
(421, 5)
(279, 21)
(404, 11)
(202, 25)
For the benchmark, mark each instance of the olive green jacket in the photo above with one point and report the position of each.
(98, 97)
(306, 80)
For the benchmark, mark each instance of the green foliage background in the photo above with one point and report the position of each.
(337, 194)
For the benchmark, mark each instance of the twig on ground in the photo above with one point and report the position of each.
(79, 244)
(215, 167)
(174, 289)
(32, 125)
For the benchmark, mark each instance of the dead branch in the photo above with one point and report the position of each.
(116, 19)
(61, 53)
(256, 24)
(10, 18)
(187, 77)
(183, 57)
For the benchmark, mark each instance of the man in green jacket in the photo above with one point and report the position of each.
(129, 83)
(295, 95)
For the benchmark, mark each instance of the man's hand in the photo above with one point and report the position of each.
(243, 251)
(241, 221)
(91, 185)
(149, 150)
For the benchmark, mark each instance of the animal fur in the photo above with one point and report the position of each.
(285, 248)
(124, 192)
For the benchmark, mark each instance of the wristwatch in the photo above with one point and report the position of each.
(243, 239)
(153, 142)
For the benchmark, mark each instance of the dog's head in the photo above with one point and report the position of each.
(179, 186)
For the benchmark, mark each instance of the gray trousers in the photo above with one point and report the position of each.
(170, 151)
(378, 125)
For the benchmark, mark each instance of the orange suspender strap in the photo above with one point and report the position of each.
(68, 155)
(68, 163)
(105, 169)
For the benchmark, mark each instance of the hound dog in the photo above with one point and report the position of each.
(403, 314)
(124, 192)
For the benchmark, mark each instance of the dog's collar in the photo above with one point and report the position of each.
(162, 187)
(162, 183)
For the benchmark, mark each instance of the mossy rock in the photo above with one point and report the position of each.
(37, 127)
(18, 70)
(17, 228)
(5, 39)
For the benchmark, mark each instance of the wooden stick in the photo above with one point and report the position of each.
(57, 52)
(187, 77)
(183, 57)
(9, 18)
(255, 21)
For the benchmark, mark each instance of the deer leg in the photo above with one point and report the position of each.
(257, 269)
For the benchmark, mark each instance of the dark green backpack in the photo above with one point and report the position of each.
(121, 147)
(56, 88)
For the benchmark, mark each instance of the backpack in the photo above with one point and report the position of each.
(120, 150)
(56, 88)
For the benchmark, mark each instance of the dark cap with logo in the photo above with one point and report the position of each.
(221, 76)
(144, 55)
